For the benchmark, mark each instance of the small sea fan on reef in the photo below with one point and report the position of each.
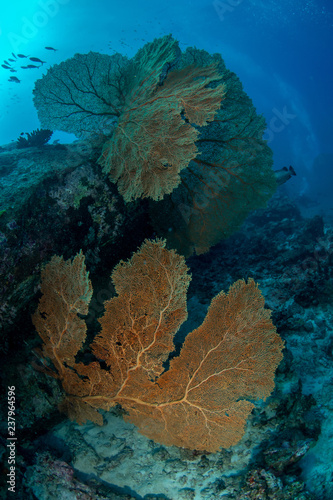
(37, 138)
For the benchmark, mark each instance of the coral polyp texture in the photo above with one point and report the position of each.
(202, 401)
(179, 129)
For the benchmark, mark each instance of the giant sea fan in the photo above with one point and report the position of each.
(181, 131)
(202, 401)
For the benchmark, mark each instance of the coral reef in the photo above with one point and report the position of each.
(54, 478)
(56, 201)
(181, 146)
(290, 422)
(263, 484)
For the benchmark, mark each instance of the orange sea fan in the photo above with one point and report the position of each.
(202, 401)
(155, 137)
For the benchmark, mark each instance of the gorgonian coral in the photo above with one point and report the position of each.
(155, 138)
(180, 129)
(81, 95)
(202, 401)
(37, 138)
(231, 176)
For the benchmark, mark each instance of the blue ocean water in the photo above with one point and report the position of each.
(281, 50)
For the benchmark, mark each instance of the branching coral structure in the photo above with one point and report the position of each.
(154, 112)
(37, 138)
(82, 95)
(155, 137)
(231, 175)
(202, 401)
(179, 130)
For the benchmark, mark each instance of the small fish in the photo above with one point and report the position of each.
(35, 59)
(30, 66)
(13, 70)
(21, 55)
(5, 66)
(14, 55)
(284, 174)
(11, 60)
(14, 79)
(50, 48)
(6, 62)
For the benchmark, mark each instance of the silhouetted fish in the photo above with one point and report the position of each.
(5, 66)
(6, 62)
(13, 70)
(14, 55)
(30, 66)
(50, 48)
(284, 174)
(21, 55)
(35, 59)
(11, 60)
(14, 79)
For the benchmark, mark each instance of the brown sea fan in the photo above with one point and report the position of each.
(202, 401)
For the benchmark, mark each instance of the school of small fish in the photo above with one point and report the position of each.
(8, 64)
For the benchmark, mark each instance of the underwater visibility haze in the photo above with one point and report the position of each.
(166, 249)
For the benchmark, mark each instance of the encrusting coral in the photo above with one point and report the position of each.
(202, 401)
